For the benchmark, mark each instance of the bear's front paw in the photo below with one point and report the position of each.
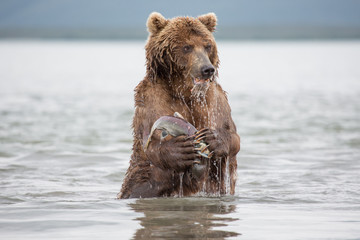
(178, 153)
(216, 145)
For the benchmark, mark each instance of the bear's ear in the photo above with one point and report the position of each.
(209, 20)
(156, 22)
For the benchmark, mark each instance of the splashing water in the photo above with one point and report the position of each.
(209, 120)
(212, 109)
(218, 178)
(227, 176)
(181, 191)
(199, 90)
(199, 98)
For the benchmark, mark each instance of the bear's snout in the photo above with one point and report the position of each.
(201, 66)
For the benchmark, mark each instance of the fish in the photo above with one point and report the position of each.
(176, 126)
(172, 125)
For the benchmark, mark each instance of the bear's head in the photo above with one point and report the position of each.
(182, 51)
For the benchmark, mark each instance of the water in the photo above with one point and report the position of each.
(65, 143)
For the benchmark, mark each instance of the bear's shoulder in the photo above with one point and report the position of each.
(149, 94)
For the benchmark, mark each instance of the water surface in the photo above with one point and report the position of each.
(65, 143)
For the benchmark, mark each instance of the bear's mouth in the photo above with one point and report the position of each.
(200, 81)
(200, 87)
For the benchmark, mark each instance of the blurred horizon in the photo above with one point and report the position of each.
(119, 19)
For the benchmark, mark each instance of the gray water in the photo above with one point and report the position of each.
(65, 143)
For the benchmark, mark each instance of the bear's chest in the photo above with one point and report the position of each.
(201, 115)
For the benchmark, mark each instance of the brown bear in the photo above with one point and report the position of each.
(181, 72)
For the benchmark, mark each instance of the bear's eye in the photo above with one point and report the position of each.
(187, 48)
(208, 47)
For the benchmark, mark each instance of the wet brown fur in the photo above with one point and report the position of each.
(165, 90)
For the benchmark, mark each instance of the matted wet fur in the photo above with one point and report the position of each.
(181, 71)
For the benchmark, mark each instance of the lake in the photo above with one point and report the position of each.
(65, 141)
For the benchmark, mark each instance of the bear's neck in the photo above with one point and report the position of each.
(195, 108)
(184, 90)
(201, 107)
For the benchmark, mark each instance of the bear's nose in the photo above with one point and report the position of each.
(207, 71)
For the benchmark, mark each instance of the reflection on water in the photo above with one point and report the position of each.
(184, 218)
